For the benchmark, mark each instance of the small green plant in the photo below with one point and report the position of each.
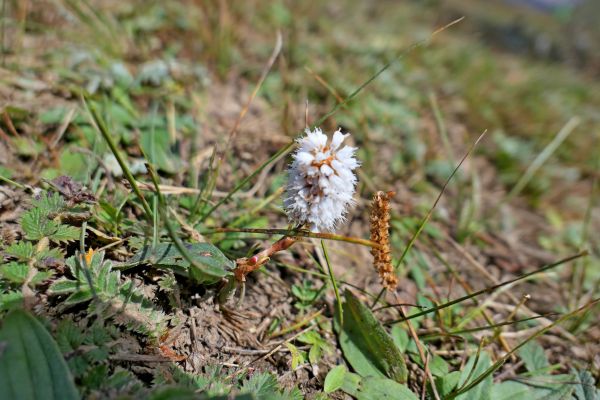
(43, 220)
(110, 295)
(307, 295)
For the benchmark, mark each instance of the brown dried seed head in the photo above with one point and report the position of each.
(380, 225)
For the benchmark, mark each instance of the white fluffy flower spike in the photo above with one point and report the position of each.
(321, 181)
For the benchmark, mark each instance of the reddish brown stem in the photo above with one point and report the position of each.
(247, 265)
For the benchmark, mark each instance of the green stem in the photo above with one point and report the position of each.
(113, 147)
(333, 283)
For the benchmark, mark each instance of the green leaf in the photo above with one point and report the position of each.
(31, 366)
(533, 356)
(400, 337)
(297, 356)
(156, 146)
(366, 344)
(315, 353)
(166, 255)
(335, 379)
(65, 233)
(547, 387)
(586, 387)
(10, 301)
(351, 383)
(174, 393)
(447, 383)
(85, 294)
(14, 272)
(473, 369)
(25, 146)
(49, 203)
(40, 277)
(23, 251)
(438, 366)
(262, 385)
(64, 286)
(36, 225)
(383, 388)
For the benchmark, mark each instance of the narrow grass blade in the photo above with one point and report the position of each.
(425, 219)
(491, 288)
(543, 157)
(503, 359)
(284, 150)
(83, 262)
(162, 207)
(482, 328)
(11, 182)
(437, 200)
(333, 283)
(101, 126)
(233, 131)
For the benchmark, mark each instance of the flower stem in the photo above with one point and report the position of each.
(297, 233)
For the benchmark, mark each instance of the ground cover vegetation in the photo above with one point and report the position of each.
(170, 229)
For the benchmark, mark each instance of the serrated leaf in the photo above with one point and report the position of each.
(36, 225)
(48, 203)
(10, 300)
(262, 385)
(335, 378)
(366, 344)
(55, 253)
(68, 335)
(23, 251)
(14, 272)
(173, 393)
(214, 264)
(65, 233)
(40, 277)
(31, 366)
